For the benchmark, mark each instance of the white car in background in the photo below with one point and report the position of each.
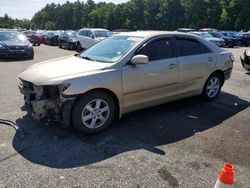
(217, 41)
(89, 37)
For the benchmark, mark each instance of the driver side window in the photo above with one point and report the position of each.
(158, 49)
(90, 34)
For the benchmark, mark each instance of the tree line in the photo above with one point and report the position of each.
(139, 15)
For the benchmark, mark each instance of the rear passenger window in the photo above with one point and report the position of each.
(186, 47)
(158, 49)
(204, 49)
(83, 33)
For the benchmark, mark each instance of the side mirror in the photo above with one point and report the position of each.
(92, 36)
(139, 59)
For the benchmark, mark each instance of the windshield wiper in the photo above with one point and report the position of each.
(88, 58)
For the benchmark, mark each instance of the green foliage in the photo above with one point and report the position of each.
(139, 14)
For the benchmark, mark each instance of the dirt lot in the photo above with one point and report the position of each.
(180, 144)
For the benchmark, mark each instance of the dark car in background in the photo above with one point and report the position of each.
(33, 37)
(14, 44)
(51, 37)
(229, 41)
(215, 40)
(243, 41)
(67, 40)
(247, 37)
(41, 35)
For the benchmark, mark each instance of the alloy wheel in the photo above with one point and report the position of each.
(95, 113)
(213, 87)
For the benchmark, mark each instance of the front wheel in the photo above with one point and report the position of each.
(94, 112)
(68, 46)
(212, 87)
(78, 47)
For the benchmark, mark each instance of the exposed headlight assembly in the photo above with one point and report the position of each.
(63, 87)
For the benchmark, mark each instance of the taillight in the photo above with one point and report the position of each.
(231, 57)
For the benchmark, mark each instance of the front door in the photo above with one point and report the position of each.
(152, 83)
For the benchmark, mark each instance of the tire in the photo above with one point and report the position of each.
(210, 91)
(96, 119)
(68, 46)
(31, 57)
(78, 47)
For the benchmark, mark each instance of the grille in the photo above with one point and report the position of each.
(16, 47)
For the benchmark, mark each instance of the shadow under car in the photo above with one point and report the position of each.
(56, 147)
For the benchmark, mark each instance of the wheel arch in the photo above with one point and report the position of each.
(221, 73)
(109, 92)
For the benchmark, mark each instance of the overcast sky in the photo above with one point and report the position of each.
(27, 8)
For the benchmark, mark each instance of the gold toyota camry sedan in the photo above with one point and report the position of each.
(121, 74)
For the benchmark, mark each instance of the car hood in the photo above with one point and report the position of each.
(15, 43)
(60, 69)
(229, 38)
(101, 38)
(214, 39)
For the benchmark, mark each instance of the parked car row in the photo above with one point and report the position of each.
(69, 39)
(85, 38)
(221, 38)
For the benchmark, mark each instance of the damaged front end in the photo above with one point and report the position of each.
(45, 103)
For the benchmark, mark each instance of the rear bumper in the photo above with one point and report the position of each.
(232, 43)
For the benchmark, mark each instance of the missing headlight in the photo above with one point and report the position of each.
(63, 87)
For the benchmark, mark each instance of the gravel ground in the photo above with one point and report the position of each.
(181, 144)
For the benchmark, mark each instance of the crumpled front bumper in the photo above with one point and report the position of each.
(45, 103)
(38, 104)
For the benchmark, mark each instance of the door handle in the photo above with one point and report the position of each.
(210, 59)
(172, 65)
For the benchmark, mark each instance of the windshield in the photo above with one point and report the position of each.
(217, 34)
(28, 33)
(12, 36)
(71, 34)
(102, 33)
(246, 34)
(206, 35)
(235, 34)
(112, 49)
(52, 33)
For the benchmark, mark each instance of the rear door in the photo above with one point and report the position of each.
(82, 37)
(151, 83)
(90, 41)
(195, 63)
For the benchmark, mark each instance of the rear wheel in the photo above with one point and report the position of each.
(212, 87)
(94, 112)
(31, 57)
(59, 44)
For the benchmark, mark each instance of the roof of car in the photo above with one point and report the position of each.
(94, 29)
(9, 31)
(146, 34)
